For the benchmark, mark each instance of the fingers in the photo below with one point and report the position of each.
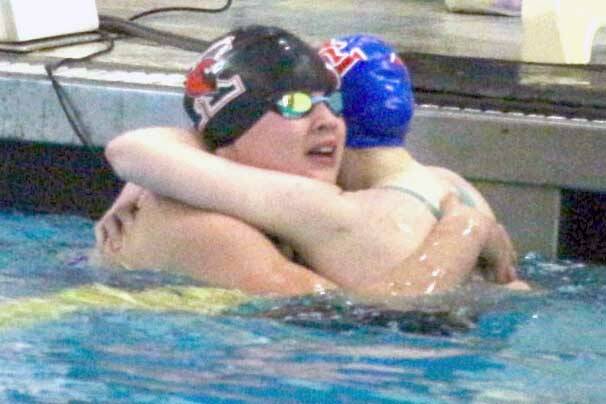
(449, 204)
(112, 227)
(506, 274)
(519, 286)
(500, 257)
(100, 234)
(497, 270)
(125, 217)
(509, 272)
(118, 220)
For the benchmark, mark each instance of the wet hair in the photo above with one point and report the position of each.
(241, 74)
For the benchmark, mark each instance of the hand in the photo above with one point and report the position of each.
(497, 261)
(115, 222)
(498, 258)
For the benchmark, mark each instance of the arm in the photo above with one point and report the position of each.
(498, 258)
(213, 248)
(445, 259)
(294, 207)
(119, 217)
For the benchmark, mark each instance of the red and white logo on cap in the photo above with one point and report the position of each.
(209, 92)
(394, 58)
(342, 60)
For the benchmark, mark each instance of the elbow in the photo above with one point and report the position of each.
(134, 153)
(120, 152)
(113, 151)
(116, 155)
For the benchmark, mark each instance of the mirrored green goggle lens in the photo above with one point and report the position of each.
(298, 104)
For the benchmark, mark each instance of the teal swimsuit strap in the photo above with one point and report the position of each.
(466, 198)
(434, 211)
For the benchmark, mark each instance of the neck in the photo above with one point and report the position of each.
(366, 168)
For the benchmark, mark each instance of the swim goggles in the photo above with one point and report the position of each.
(297, 104)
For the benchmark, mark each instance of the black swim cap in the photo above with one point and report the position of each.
(242, 73)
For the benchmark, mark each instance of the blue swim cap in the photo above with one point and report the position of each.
(377, 93)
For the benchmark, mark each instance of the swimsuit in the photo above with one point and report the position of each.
(463, 195)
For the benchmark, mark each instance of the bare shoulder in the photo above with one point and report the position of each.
(446, 173)
(464, 188)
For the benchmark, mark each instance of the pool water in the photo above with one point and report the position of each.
(548, 346)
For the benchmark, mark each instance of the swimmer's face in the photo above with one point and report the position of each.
(311, 146)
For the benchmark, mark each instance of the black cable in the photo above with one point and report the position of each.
(68, 109)
(119, 25)
(122, 26)
(186, 9)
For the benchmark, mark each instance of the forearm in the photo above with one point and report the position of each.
(283, 278)
(445, 259)
(159, 159)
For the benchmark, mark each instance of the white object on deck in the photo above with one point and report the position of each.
(561, 31)
(499, 7)
(26, 20)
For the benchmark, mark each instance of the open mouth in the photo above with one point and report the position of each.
(325, 152)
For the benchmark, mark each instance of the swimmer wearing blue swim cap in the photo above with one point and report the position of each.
(378, 106)
(378, 102)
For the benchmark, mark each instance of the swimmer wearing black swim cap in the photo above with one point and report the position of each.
(243, 73)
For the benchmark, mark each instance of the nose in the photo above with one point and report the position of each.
(324, 120)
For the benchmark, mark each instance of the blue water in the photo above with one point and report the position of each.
(547, 347)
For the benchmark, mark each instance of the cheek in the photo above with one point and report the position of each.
(285, 138)
(270, 152)
(275, 144)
